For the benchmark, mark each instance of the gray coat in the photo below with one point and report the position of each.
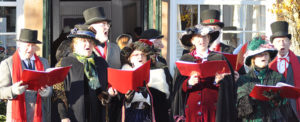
(112, 55)
(30, 96)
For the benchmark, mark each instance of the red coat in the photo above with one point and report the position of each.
(201, 103)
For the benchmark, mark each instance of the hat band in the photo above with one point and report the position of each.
(211, 21)
(86, 33)
(146, 41)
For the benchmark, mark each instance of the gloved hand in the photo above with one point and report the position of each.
(18, 89)
(144, 91)
(45, 91)
(104, 97)
(274, 97)
(129, 96)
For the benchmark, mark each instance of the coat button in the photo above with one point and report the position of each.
(199, 113)
(199, 103)
(199, 93)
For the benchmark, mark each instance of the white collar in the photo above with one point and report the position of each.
(285, 56)
(23, 58)
(202, 56)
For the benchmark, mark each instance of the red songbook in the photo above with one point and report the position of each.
(234, 61)
(37, 79)
(206, 69)
(124, 80)
(286, 91)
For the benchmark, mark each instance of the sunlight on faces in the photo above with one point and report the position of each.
(83, 46)
(262, 60)
(282, 44)
(158, 44)
(102, 29)
(137, 58)
(200, 42)
(26, 49)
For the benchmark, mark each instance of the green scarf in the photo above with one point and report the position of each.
(261, 73)
(89, 70)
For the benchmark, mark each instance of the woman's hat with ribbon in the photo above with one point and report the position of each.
(257, 46)
(186, 37)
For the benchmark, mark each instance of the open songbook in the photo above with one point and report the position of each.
(286, 91)
(37, 79)
(124, 80)
(234, 61)
(206, 69)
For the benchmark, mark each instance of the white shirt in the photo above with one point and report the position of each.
(203, 57)
(101, 49)
(282, 65)
(26, 61)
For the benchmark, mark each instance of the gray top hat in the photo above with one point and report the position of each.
(93, 15)
(29, 36)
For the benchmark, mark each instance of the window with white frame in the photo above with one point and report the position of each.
(243, 19)
(8, 12)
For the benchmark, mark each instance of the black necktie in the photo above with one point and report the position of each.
(29, 64)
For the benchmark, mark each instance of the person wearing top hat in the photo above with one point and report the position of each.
(23, 104)
(203, 99)
(276, 109)
(96, 19)
(80, 98)
(286, 62)
(155, 37)
(211, 18)
(98, 23)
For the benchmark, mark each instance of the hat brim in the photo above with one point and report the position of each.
(71, 36)
(274, 36)
(273, 54)
(160, 36)
(185, 40)
(95, 20)
(221, 24)
(30, 41)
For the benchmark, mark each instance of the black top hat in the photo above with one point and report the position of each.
(93, 15)
(280, 29)
(29, 36)
(211, 17)
(151, 34)
(185, 40)
(82, 31)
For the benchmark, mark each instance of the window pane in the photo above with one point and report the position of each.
(232, 39)
(205, 7)
(256, 17)
(232, 16)
(7, 19)
(250, 36)
(188, 16)
(9, 43)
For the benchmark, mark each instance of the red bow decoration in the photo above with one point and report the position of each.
(146, 41)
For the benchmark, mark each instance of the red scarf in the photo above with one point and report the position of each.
(105, 49)
(296, 69)
(218, 48)
(18, 104)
